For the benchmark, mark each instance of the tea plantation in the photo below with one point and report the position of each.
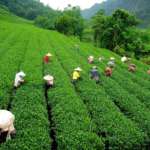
(114, 115)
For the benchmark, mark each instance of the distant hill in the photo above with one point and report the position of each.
(139, 7)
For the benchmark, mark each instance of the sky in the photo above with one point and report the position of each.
(61, 4)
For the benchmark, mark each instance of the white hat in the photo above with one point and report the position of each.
(78, 69)
(124, 58)
(49, 54)
(91, 56)
(48, 78)
(112, 58)
(22, 74)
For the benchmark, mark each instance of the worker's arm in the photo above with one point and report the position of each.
(21, 80)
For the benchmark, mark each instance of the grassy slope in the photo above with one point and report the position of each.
(5, 15)
(81, 114)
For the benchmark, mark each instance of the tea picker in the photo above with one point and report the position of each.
(108, 71)
(125, 59)
(111, 62)
(132, 67)
(76, 75)
(94, 74)
(47, 58)
(7, 130)
(100, 59)
(49, 81)
(19, 79)
(90, 59)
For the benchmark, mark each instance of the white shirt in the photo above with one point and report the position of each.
(6, 120)
(111, 63)
(18, 80)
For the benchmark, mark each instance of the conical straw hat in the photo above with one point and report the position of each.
(78, 69)
(22, 74)
(48, 78)
(49, 54)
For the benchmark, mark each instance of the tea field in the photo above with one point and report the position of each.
(114, 115)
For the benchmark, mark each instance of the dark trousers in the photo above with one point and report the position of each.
(3, 137)
(74, 82)
(47, 87)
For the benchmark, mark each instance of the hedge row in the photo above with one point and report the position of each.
(125, 79)
(104, 113)
(142, 68)
(140, 78)
(128, 103)
(28, 105)
(142, 94)
(11, 56)
(71, 122)
(141, 75)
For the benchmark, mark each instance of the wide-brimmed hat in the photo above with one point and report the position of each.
(108, 68)
(49, 54)
(112, 58)
(48, 78)
(124, 58)
(132, 65)
(21, 74)
(91, 56)
(78, 69)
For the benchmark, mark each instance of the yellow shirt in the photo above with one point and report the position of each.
(76, 75)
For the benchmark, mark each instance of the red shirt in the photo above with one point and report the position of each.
(46, 59)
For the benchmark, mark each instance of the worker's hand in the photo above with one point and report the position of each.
(13, 134)
(22, 81)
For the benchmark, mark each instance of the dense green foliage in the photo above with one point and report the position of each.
(44, 22)
(29, 9)
(71, 22)
(68, 22)
(87, 116)
(116, 33)
(44, 16)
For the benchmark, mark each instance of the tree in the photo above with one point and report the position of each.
(63, 24)
(70, 22)
(28, 9)
(114, 32)
(42, 21)
(98, 22)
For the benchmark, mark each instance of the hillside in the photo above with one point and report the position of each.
(87, 116)
(29, 9)
(138, 7)
(7, 16)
